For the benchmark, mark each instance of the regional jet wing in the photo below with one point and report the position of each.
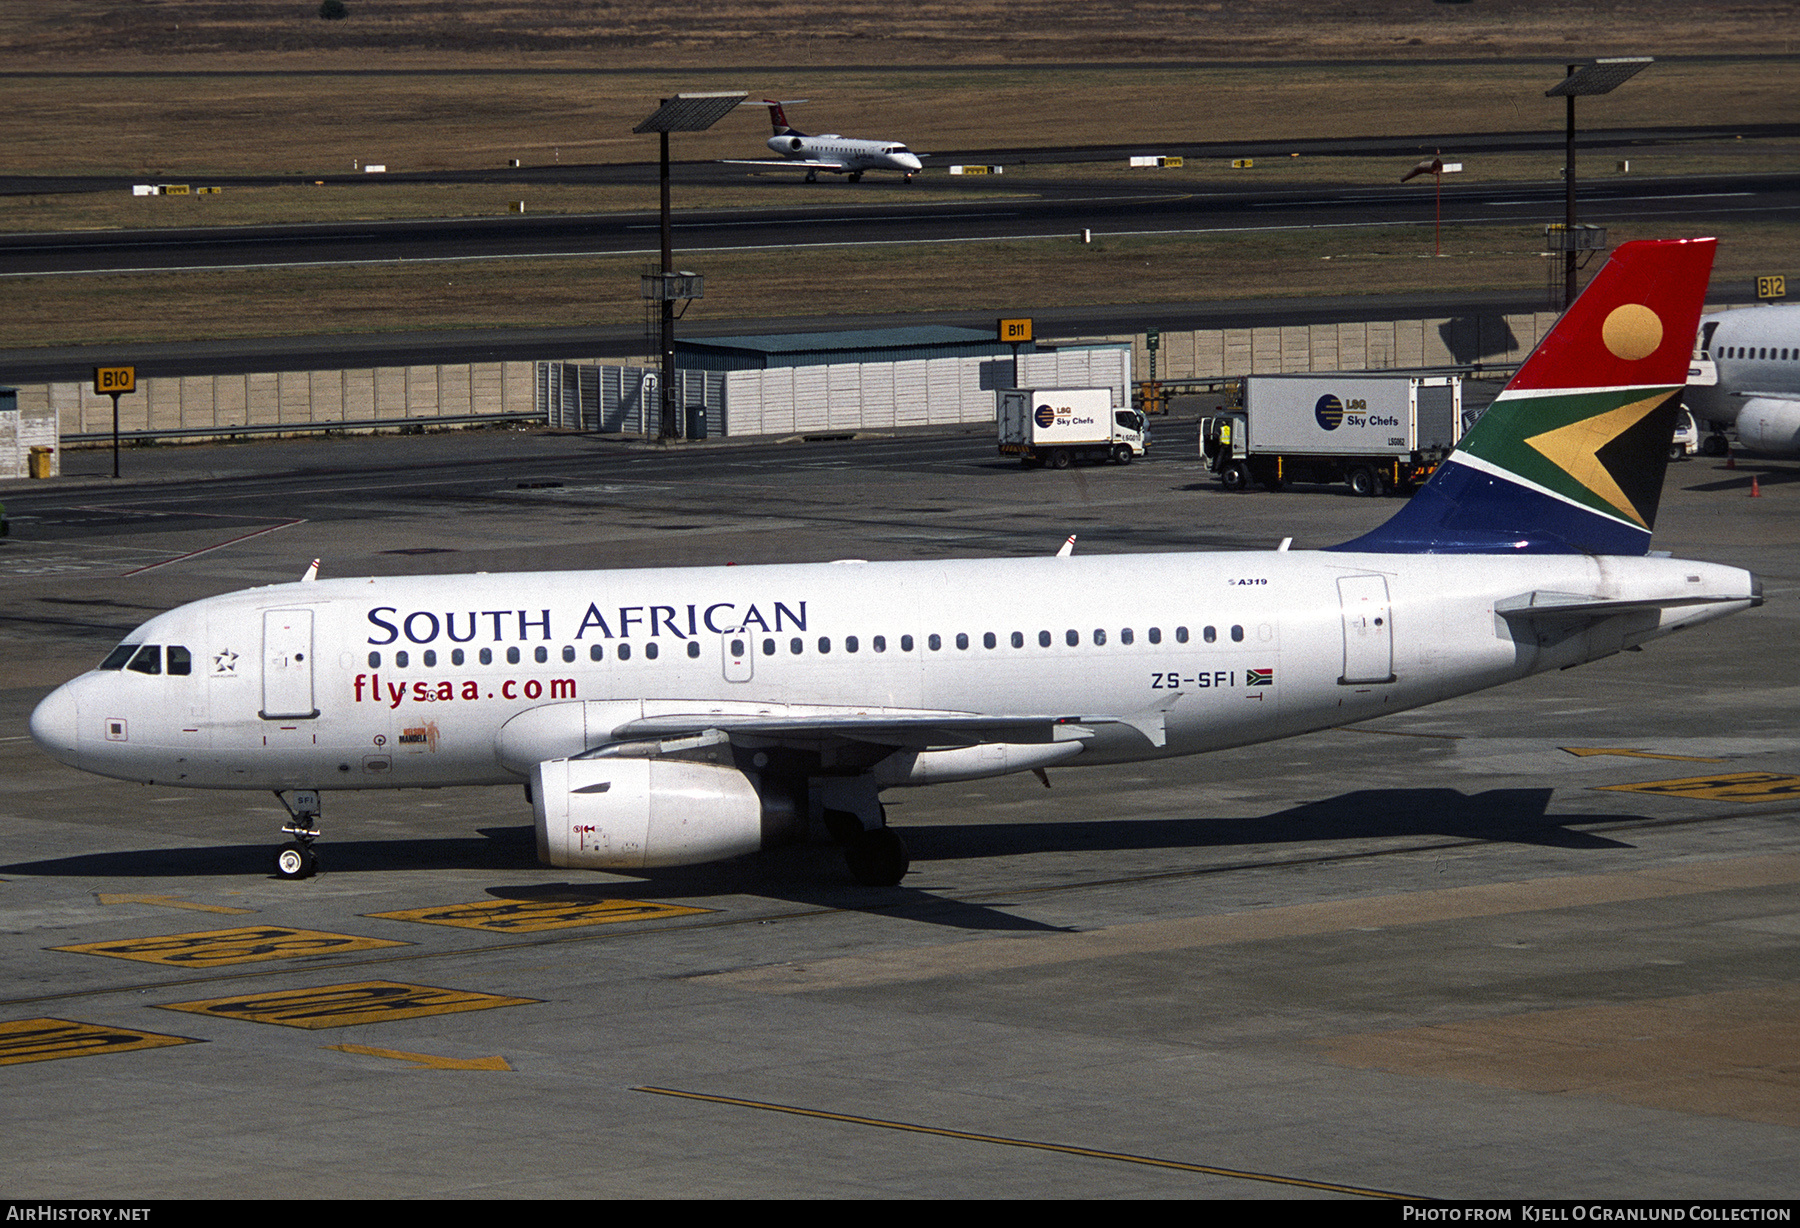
(776, 164)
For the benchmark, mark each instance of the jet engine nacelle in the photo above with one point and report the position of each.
(635, 814)
(1766, 424)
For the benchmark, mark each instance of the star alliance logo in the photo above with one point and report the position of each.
(225, 664)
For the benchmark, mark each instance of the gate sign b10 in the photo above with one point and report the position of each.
(109, 380)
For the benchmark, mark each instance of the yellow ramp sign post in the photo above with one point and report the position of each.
(115, 382)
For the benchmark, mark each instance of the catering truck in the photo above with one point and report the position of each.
(1059, 426)
(1377, 433)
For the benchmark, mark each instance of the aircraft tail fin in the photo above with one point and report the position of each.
(1570, 457)
(778, 117)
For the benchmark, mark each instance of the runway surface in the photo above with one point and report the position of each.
(1438, 954)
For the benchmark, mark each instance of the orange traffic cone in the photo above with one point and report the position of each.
(1755, 487)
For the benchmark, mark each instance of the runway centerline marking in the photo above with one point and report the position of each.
(1002, 1140)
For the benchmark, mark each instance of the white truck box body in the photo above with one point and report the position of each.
(1351, 415)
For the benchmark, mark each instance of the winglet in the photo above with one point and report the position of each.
(1068, 548)
(1570, 457)
(312, 573)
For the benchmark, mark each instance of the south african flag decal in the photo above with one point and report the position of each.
(1259, 677)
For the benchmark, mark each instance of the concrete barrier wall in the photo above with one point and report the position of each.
(291, 398)
(1364, 345)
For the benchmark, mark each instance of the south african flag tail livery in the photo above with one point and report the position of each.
(1570, 457)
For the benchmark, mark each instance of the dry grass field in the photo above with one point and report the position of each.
(615, 34)
(164, 89)
(1035, 275)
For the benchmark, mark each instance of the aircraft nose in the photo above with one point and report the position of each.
(55, 723)
(912, 161)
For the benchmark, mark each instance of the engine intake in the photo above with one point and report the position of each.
(635, 814)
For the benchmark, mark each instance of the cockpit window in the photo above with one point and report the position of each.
(180, 661)
(148, 660)
(117, 657)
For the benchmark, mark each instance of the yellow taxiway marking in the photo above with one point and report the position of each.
(1585, 751)
(46, 1040)
(167, 901)
(341, 1006)
(534, 916)
(1003, 1140)
(214, 948)
(1733, 787)
(428, 1061)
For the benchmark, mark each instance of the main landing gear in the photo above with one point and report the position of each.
(874, 851)
(855, 176)
(296, 858)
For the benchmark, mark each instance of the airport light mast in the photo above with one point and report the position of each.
(1599, 77)
(682, 113)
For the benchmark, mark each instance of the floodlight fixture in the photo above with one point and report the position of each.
(682, 113)
(1601, 76)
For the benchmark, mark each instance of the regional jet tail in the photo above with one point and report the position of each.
(683, 715)
(1747, 371)
(837, 155)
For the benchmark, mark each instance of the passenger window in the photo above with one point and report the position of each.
(795, 645)
(1125, 635)
(906, 643)
(117, 657)
(1156, 635)
(1237, 635)
(693, 648)
(1099, 637)
(1209, 635)
(650, 651)
(934, 641)
(512, 656)
(429, 656)
(962, 640)
(456, 656)
(768, 648)
(568, 652)
(1072, 637)
(374, 661)
(596, 652)
(487, 656)
(1181, 635)
(401, 659)
(824, 644)
(181, 662)
(737, 648)
(1043, 639)
(849, 643)
(624, 652)
(148, 660)
(542, 655)
(1018, 639)
(880, 643)
(988, 640)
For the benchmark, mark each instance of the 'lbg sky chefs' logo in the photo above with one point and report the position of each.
(1044, 416)
(1329, 411)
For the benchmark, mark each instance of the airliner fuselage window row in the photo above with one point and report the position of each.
(797, 645)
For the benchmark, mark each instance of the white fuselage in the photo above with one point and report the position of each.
(1748, 373)
(409, 681)
(832, 152)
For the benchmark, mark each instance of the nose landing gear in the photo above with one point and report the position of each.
(296, 858)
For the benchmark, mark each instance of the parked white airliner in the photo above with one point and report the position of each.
(1748, 372)
(838, 155)
(672, 716)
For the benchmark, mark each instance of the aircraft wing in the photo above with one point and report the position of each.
(917, 730)
(1768, 396)
(776, 164)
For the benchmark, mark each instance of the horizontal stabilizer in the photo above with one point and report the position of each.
(1572, 607)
